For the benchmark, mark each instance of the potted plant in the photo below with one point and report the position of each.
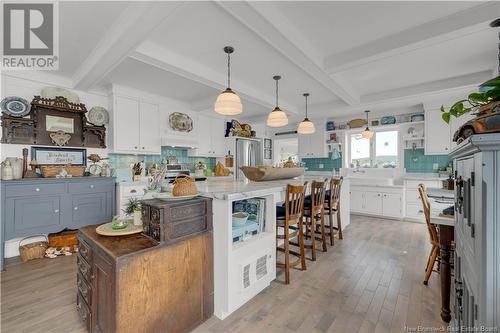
(486, 106)
(134, 208)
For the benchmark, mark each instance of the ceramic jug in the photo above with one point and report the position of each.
(7, 171)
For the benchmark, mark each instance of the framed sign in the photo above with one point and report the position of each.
(59, 156)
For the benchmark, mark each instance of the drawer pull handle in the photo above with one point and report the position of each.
(37, 189)
(133, 191)
(56, 210)
(75, 208)
(84, 251)
(91, 186)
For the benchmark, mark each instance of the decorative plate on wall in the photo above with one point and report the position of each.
(357, 123)
(180, 122)
(98, 116)
(15, 106)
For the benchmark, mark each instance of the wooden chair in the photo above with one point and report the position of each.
(332, 207)
(314, 213)
(433, 234)
(289, 218)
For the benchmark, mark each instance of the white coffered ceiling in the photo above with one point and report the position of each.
(349, 55)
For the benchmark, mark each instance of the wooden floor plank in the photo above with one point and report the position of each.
(369, 282)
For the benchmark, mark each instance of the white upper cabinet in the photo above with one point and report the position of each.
(149, 123)
(210, 137)
(135, 126)
(313, 145)
(437, 133)
(126, 135)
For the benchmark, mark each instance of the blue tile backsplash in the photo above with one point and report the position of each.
(419, 162)
(312, 164)
(121, 162)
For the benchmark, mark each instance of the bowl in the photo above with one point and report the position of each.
(239, 219)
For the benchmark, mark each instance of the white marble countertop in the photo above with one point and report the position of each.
(424, 176)
(228, 189)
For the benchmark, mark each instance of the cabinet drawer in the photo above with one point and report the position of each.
(84, 312)
(84, 289)
(131, 191)
(90, 187)
(84, 268)
(177, 230)
(85, 251)
(35, 189)
(186, 211)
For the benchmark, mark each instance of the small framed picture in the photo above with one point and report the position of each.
(333, 137)
(59, 156)
(375, 122)
(330, 125)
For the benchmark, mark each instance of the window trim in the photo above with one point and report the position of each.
(373, 145)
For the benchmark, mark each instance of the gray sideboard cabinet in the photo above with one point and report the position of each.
(44, 205)
(477, 232)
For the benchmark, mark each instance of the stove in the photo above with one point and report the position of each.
(174, 170)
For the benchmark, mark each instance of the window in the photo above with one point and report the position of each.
(381, 151)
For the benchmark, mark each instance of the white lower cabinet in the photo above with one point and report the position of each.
(379, 201)
(414, 208)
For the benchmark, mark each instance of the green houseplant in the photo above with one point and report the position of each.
(477, 101)
(134, 208)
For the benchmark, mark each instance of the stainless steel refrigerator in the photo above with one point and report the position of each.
(248, 153)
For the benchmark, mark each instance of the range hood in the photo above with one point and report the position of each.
(178, 142)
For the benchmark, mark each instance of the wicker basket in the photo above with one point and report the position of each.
(51, 171)
(33, 250)
(184, 185)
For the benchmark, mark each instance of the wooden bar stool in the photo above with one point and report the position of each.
(433, 234)
(332, 207)
(314, 218)
(289, 218)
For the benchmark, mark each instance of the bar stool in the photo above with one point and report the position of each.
(332, 207)
(289, 218)
(314, 213)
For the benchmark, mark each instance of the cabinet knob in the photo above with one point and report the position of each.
(135, 147)
(37, 189)
(133, 191)
(75, 208)
(56, 210)
(91, 186)
(143, 148)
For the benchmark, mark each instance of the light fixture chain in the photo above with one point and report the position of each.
(306, 106)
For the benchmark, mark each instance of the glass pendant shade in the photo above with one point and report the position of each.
(367, 134)
(306, 127)
(277, 118)
(228, 103)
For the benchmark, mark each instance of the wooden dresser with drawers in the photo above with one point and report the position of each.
(139, 283)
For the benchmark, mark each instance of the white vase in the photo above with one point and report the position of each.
(137, 218)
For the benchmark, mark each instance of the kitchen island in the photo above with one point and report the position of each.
(245, 267)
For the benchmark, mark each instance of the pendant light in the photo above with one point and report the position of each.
(367, 134)
(277, 117)
(228, 103)
(306, 126)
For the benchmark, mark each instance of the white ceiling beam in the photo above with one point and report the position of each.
(454, 26)
(275, 29)
(132, 26)
(156, 55)
(404, 97)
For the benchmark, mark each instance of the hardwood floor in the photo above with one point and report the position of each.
(369, 282)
